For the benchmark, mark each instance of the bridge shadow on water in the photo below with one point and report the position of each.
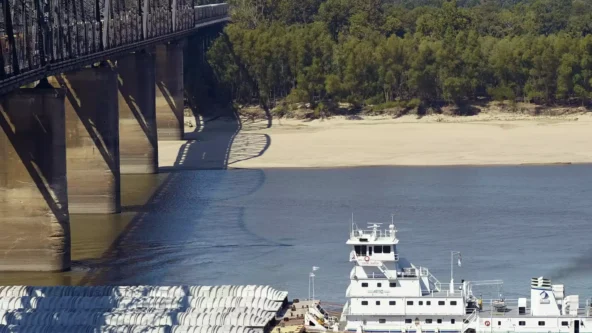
(190, 223)
(191, 228)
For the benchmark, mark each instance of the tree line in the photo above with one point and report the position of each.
(407, 52)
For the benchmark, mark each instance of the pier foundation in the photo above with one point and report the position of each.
(34, 220)
(138, 143)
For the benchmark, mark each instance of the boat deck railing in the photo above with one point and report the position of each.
(510, 308)
(445, 291)
(377, 276)
(372, 276)
(372, 233)
(413, 272)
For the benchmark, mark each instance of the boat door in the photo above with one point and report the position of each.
(575, 326)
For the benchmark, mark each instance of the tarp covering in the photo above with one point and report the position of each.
(114, 302)
(146, 309)
(192, 317)
(127, 329)
(151, 291)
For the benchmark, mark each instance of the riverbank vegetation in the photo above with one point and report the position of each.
(406, 54)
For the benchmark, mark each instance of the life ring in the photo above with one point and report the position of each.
(487, 323)
(367, 258)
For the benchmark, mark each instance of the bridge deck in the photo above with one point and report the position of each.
(55, 41)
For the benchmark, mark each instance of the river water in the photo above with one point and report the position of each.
(272, 226)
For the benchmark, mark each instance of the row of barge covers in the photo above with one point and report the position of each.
(145, 309)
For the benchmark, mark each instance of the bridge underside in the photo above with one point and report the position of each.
(65, 143)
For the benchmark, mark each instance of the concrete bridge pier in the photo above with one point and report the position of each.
(201, 86)
(193, 82)
(34, 219)
(169, 90)
(92, 140)
(138, 144)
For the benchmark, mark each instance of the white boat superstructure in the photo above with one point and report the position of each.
(390, 294)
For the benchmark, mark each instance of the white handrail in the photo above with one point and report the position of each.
(469, 320)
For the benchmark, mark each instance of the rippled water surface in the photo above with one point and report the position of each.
(271, 226)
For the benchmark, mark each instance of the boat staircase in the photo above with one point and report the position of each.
(387, 273)
(431, 283)
(432, 279)
(470, 323)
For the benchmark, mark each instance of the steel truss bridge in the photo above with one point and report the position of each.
(40, 38)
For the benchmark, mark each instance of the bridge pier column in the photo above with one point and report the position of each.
(193, 84)
(92, 140)
(34, 219)
(138, 144)
(202, 89)
(169, 91)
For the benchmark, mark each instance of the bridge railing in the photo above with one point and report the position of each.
(35, 33)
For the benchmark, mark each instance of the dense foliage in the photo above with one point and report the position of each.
(407, 51)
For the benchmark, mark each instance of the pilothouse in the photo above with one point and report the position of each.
(390, 294)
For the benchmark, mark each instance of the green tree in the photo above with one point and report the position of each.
(364, 52)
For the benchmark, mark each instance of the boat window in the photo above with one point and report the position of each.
(382, 321)
(364, 302)
(392, 302)
(360, 250)
(564, 323)
(428, 302)
(393, 284)
(378, 249)
(409, 302)
(452, 321)
(379, 284)
(377, 302)
(386, 249)
(441, 302)
(420, 302)
(439, 321)
(452, 302)
(522, 323)
(541, 323)
(369, 250)
(428, 321)
(407, 321)
(321, 310)
(364, 284)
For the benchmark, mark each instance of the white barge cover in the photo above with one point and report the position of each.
(151, 291)
(128, 329)
(122, 303)
(146, 309)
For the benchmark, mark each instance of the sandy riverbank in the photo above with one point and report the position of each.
(484, 139)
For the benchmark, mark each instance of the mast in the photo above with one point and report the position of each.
(452, 253)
